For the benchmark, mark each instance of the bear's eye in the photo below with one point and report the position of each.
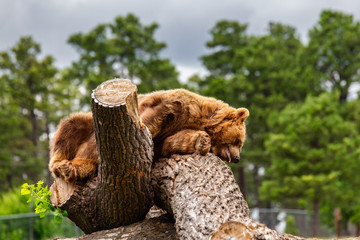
(237, 142)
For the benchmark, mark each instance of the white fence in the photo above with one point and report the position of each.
(277, 219)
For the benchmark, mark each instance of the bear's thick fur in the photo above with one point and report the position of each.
(180, 122)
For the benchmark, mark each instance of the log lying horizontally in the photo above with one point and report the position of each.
(150, 229)
(202, 195)
(121, 194)
(206, 201)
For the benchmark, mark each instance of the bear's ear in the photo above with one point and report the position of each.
(242, 114)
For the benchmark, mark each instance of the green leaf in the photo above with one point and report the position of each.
(25, 191)
(64, 213)
(58, 219)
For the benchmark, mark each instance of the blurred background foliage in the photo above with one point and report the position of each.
(302, 149)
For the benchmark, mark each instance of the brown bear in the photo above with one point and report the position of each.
(179, 121)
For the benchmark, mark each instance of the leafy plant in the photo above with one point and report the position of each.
(12, 202)
(6, 233)
(42, 203)
(291, 225)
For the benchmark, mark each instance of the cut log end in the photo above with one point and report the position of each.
(61, 192)
(233, 230)
(114, 92)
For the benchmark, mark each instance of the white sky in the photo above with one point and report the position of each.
(184, 24)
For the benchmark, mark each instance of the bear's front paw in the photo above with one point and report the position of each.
(203, 143)
(66, 170)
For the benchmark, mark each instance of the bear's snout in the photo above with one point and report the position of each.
(236, 159)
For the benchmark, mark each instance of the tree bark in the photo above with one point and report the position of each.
(121, 194)
(150, 229)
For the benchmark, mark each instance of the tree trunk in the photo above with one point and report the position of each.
(337, 221)
(121, 194)
(9, 177)
(344, 91)
(258, 203)
(48, 178)
(34, 122)
(34, 129)
(241, 179)
(316, 218)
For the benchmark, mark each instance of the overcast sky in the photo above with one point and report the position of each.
(184, 24)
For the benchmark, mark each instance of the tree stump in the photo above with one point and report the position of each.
(121, 194)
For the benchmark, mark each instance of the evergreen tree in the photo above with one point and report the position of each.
(333, 51)
(261, 73)
(125, 49)
(312, 155)
(32, 101)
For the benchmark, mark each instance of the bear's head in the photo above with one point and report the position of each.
(228, 135)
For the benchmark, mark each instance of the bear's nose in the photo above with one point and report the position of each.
(236, 159)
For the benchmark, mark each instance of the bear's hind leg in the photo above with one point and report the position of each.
(73, 150)
(82, 167)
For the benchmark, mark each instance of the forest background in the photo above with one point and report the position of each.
(302, 149)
